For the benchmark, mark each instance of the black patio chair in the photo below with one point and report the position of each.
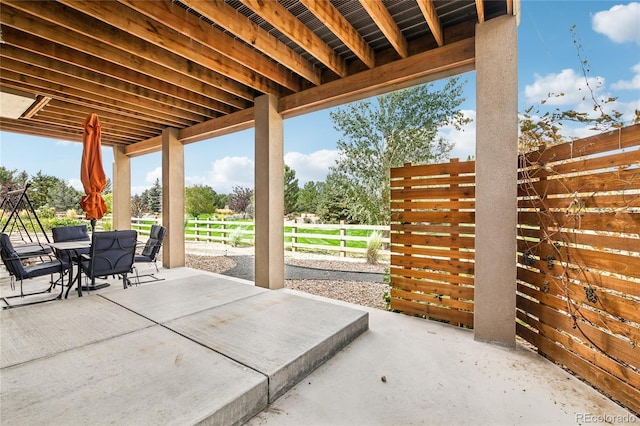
(111, 254)
(18, 271)
(70, 233)
(150, 252)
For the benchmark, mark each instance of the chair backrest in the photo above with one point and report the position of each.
(112, 252)
(152, 247)
(10, 258)
(70, 233)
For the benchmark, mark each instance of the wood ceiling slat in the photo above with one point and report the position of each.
(228, 18)
(431, 16)
(127, 89)
(74, 120)
(52, 16)
(49, 79)
(278, 16)
(28, 128)
(40, 46)
(338, 24)
(387, 25)
(59, 107)
(97, 102)
(158, 34)
(192, 27)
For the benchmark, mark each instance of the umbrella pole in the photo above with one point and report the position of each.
(93, 224)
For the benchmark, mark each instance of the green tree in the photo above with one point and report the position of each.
(42, 189)
(291, 190)
(221, 201)
(11, 180)
(65, 197)
(332, 204)
(154, 198)
(199, 199)
(308, 198)
(399, 127)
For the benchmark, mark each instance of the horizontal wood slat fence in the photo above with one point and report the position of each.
(578, 259)
(432, 241)
(578, 289)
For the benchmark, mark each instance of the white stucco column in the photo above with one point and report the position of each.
(121, 186)
(496, 175)
(172, 199)
(269, 194)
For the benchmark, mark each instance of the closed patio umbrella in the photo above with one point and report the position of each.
(92, 173)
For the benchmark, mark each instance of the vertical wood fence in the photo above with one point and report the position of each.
(578, 260)
(432, 241)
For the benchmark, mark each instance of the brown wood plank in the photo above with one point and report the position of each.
(626, 137)
(440, 276)
(606, 221)
(612, 344)
(451, 290)
(432, 298)
(452, 266)
(430, 181)
(447, 241)
(427, 252)
(461, 167)
(618, 160)
(594, 201)
(466, 231)
(619, 180)
(435, 217)
(433, 204)
(433, 193)
(431, 311)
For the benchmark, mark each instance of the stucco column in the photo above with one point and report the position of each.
(172, 199)
(496, 175)
(121, 186)
(269, 194)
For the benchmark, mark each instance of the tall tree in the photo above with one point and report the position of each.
(399, 127)
(240, 199)
(199, 199)
(42, 189)
(291, 190)
(332, 204)
(308, 198)
(65, 197)
(137, 206)
(154, 198)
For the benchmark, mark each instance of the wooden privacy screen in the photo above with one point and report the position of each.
(432, 241)
(578, 290)
(578, 287)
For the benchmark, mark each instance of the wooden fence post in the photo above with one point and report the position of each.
(294, 238)
(343, 252)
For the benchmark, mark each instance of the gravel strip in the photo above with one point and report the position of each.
(368, 294)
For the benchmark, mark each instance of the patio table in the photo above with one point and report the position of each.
(75, 246)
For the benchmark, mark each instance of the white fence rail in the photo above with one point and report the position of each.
(341, 238)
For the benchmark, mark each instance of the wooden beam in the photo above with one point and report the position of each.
(247, 31)
(480, 9)
(224, 125)
(145, 147)
(387, 25)
(46, 48)
(278, 16)
(431, 16)
(63, 25)
(338, 24)
(194, 28)
(36, 106)
(451, 59)
(173, 42)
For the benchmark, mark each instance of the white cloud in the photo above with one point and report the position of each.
(572, 85)
(313, 166)
(76, 184)
(620, 23)
(464, 139)
(633, 84)
(226, 173)
(153, 175)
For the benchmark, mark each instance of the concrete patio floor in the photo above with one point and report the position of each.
(152, 355)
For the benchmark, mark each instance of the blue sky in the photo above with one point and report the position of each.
(609, 32)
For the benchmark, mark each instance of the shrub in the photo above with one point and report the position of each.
(374, 245)
(236, 237)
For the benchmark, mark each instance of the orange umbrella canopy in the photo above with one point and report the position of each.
(91, 171)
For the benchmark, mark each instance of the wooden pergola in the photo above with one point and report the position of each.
(161, 74)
